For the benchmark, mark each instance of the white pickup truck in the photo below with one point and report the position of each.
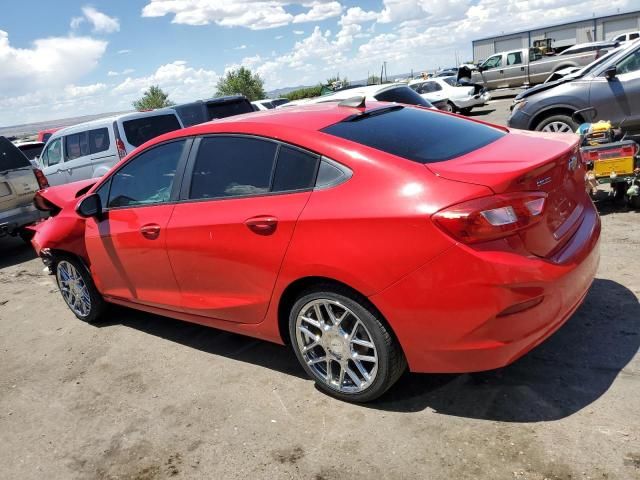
(525, 67)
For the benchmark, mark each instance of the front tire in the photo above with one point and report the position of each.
(78, 290)
(344, 344)
(558, 124)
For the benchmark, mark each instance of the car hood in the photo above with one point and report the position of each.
(542, 87)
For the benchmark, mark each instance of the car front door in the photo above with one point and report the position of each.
(492, 72)
(126, 245)
(228, 236)
(51, 163)
(618, 98)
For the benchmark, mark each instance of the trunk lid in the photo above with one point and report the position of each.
(526, 161)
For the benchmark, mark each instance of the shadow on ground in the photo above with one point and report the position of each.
(479, 113)
(14, 251)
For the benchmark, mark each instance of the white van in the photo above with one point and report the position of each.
(90, 149)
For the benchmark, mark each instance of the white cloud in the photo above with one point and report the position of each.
(279, 37)
(76, 22)
(319, 11)
(253, 14)
(123, 52)
(101, 22)
(111, 73)
(240, 47)
(298, 32)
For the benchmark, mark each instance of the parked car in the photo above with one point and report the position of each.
(525, 67)
(626, 37)
(447, 72)
(202, 111)
(45, 135)
(461, 98)
(387, 92)
(19, 182)
(90, 149)
(611, 85)
(31, 150)
(269, 103)
(354, 233)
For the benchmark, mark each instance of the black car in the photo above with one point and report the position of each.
(202, 111)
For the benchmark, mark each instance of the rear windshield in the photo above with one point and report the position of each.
(228, 109)
(10, 157)
(143, 129)
(402, 94)
(423, 136)
(31, 151)
(191, 113)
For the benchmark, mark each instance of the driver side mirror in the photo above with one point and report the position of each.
(90, 206)
(481, 68)
(611, 72)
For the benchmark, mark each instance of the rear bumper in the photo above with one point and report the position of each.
(473, 101)
(446, 315)
(13, 220)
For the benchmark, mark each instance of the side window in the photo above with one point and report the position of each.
(629, 64)
(331, 174)
(232, 166)
(634, 36)
(295, 170)
(76, 145)
(514, 58)
(493, 62)
(53, 153)
(148, 178)
(99, 140)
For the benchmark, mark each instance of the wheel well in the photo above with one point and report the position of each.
(58, 254)
(550, 113)
(293, 291)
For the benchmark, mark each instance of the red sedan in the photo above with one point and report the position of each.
(370, 238)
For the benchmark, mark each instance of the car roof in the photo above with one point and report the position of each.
(364, 90)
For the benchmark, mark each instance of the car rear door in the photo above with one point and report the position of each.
(77, 158)
(515, 73)
(228, 236)
(18, 183)
(127, 243)
(102, 149)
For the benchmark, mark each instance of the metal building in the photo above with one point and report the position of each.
(562, 35)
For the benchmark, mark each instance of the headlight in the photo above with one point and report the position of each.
(517, 104)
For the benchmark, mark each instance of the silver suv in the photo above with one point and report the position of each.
(19, 181)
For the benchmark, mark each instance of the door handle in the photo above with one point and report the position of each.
(151, 231)
(262, 225)
(501, 71)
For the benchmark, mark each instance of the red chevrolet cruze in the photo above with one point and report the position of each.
(370, 238)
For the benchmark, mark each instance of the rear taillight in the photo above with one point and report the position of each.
(43, 204)
(122, 152)
(42, 180)
(490, 218)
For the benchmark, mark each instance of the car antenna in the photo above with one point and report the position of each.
(354, 102)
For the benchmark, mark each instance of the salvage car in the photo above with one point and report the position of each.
(611, 85)
(19, 181)
(461, 98)
(369, 236)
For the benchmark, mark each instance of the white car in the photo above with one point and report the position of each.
(461, 98)
(269, 103)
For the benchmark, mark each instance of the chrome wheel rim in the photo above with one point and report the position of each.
(336, 346)
(73, 288)
(557, 127)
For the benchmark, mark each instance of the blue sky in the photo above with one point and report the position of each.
(70, 58)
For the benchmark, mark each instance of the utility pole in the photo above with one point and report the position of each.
(385, 71)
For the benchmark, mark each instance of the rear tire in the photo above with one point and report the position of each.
(78, 290)
(466, 111)
(344, 344)
(451, 108)
(557, 124)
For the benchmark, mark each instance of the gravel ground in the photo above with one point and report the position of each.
(146, 397)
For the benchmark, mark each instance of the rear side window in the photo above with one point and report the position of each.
(148, 178)
(99, 140)
(232, 166)
(10, 157)
(423, 136)
(228, 109)
(295, 170)
(143, 129)
(76, 145)
(191, 113)
(402, 95)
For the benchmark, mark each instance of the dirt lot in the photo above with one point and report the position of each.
(145, 397)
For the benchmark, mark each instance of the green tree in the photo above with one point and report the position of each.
(242, 82)
(373, 80)
(153, 98)
(307, 92)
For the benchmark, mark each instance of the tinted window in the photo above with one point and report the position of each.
(191, 113)
(228, 109)
(232, 166)
(295, 170)
(99, 140)
(10, 156)
(148, 178)
(279, 101)
(76, 145)
(31, 151)
(402, 95)
(451, 81)
(53, 153)
(633, 36)
(423, 136)
(143, 129)
(331, 174)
